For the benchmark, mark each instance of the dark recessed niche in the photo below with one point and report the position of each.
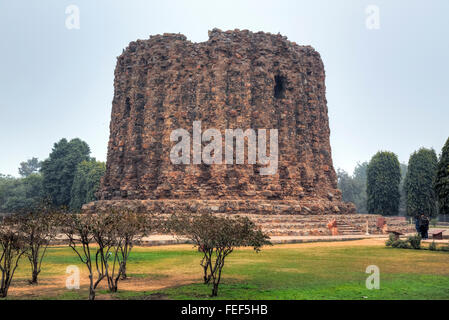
(279, 86)
(127, 107)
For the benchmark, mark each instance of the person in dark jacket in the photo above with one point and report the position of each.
(424, 227)
(417, 223)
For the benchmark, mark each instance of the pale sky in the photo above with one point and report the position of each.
(387, 88)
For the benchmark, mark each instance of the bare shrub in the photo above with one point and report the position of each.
(113, 234)
(79, 230)
(38, 229)
(120, 231)
(12, 247)
(217, 237)
(132, 227)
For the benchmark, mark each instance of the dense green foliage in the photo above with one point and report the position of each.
(86, 183)
(383, 179)
(412, 242)
(22, 194)
(415, 241)
(54, 183)
(59, 169)
(442, 180)
(347, 186)
(419, 183)
(353, 187)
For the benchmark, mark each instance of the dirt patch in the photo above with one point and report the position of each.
(54, 286)
(333, 244)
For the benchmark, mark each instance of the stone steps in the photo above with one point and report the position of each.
(347, 229)
(312, 225)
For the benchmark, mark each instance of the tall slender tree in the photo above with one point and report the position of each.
(419, 183)
(442, 180)
(383, 178)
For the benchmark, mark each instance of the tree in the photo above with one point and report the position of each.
(104, 232)
(442, 180)
(38, 229)
(217, 237)
(59, 169)
(113, 234)
(347, 186)
(19, 195)
(78, 229)
(12, 247)
(120, 231)
(86, 183)
(132, 227)
(29, 167)
(383, 178)
(353, 187)
(419, 183)
(360, 172)
(359, 177)
(7, 183)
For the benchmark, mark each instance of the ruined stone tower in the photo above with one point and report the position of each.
(236, 79)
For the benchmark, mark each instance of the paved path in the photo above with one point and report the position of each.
(156, 240)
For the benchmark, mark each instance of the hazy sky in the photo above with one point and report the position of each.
(387, 88)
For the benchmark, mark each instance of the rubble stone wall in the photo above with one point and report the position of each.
(235, 79)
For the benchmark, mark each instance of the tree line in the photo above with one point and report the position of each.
(68, 178)
(385, 186)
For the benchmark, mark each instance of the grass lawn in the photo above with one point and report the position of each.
(333, 270)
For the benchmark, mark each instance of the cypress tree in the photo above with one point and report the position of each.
(419, 183)
(383, 179)
(442, 180)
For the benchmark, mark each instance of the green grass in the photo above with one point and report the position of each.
(324, 271)
(337, 273)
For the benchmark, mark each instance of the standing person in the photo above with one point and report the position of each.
(424, 227)
(417, 223)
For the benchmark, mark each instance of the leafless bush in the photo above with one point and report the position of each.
(217, 237)
(38, 229)
(114, 235)
(132, 227)
(105, 234)
(12, 247)
(79, 230)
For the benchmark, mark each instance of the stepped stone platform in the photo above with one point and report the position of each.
(306, 206)
(276, 218)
